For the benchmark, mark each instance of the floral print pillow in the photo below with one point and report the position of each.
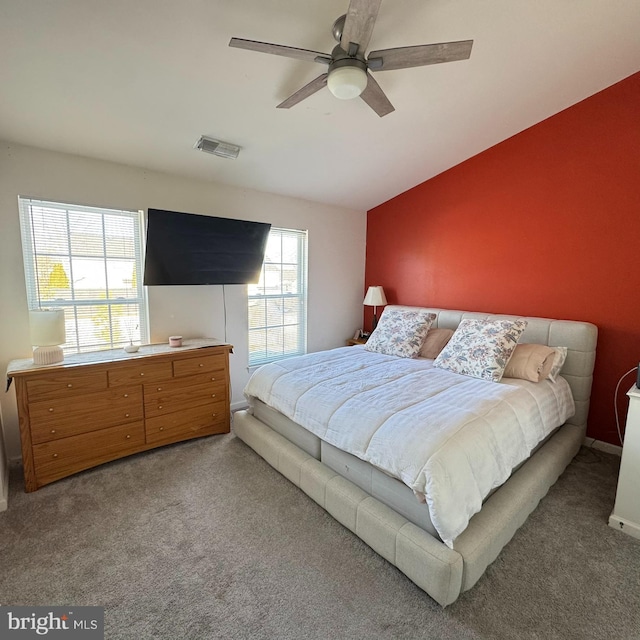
(400, 332)
(481, 348)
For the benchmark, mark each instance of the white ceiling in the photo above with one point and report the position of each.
(138, 82)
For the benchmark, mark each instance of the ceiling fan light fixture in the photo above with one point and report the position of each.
(347, 82)
(348, 74)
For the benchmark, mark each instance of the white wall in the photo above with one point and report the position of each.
(336, 254)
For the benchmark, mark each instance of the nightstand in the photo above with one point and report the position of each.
(352, 342)
(626, 512)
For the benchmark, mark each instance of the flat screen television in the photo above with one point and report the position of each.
(186, 248)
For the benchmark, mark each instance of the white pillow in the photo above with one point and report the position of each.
(558, 362)
(481, 348)
(400, 332)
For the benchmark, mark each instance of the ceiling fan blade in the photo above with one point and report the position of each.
(280, 50)
(305, 92)
(405, 57)
(374, 96)
(359, 23)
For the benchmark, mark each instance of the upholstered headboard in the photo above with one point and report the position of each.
(580, 338)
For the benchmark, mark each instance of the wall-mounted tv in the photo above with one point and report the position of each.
(186, 248)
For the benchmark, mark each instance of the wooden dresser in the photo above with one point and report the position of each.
(100, 406)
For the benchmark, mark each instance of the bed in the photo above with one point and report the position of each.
(345, 465)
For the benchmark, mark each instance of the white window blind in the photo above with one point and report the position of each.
(87, 261)
(278, 303)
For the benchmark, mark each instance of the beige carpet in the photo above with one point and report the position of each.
(205, 540)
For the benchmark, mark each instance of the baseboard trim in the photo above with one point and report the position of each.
(630, 528)
(607, 447)
(239, 406)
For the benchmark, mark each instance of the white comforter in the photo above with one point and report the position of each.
(451, 438)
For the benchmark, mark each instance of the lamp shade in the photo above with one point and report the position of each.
(47, 334)
(47, 327)
(375, 297)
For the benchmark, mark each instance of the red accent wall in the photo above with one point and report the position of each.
(546, 223)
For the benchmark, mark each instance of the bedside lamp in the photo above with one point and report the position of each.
(47, 334)
(375, 298)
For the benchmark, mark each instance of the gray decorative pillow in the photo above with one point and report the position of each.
(558, 362)
(400, 332)
(481, 348)
(435, 342)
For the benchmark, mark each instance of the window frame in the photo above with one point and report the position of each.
(71, 304)
(300, 295)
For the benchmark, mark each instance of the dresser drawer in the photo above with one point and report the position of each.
(64, 384)
(63, 417)
(139, 372)
(177, 395)
(190, 423)
(191, 366)
(176, 384)
(60, 458)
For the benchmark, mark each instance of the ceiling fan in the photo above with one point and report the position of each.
(348, 73)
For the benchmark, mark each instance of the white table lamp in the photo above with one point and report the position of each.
(47, 334)
(375, 298)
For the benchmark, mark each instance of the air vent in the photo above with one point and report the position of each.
(217, 147)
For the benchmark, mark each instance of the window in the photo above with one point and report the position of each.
(278, 303)
(88, 262)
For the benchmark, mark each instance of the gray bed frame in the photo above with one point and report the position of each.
(442, 572)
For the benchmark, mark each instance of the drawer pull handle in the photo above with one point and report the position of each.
(213, 395)
(126, 415)
(53, 430)
(50, 409)
(213, 414)
(141, 374)
(213, 379)
(126, 395)
(161, 428)
(69, 385)
(55, 455)
(159, 388)
(201, 365)
(128, 436)
(159, 406)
